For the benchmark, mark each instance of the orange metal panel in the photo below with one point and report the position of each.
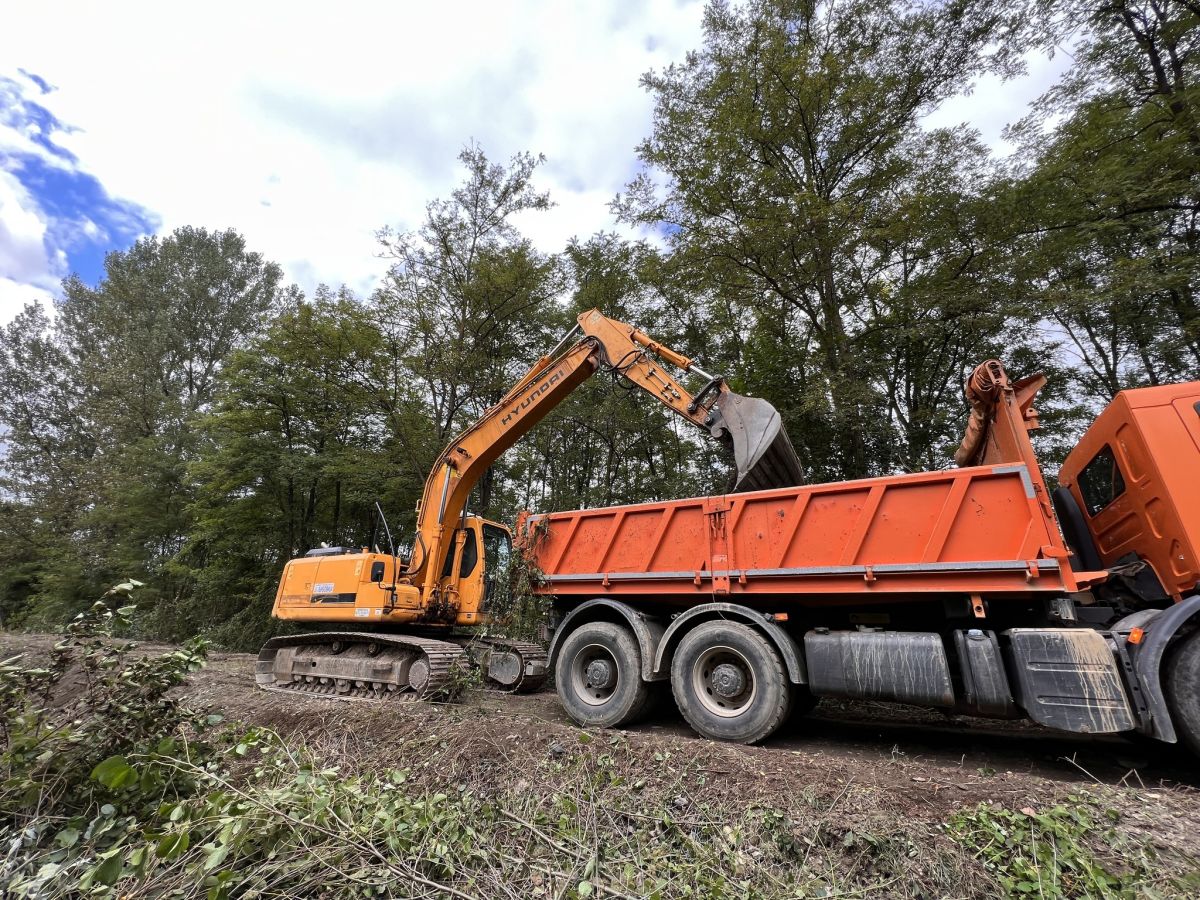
(977, 530)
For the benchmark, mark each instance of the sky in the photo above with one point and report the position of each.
(308, 127)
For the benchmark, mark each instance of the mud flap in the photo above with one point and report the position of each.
(1067, 678)
(762, 450)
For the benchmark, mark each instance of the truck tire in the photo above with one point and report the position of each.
(598, 676)
(730, 683)
(1182, 686)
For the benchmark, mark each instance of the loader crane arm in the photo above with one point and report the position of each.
(762, 451)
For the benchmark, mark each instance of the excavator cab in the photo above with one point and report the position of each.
(473, 573)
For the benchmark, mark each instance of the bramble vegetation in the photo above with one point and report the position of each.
(1068, 850)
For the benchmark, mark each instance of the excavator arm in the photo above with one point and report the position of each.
(762, 451)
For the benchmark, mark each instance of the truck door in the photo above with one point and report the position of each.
(1112, 515)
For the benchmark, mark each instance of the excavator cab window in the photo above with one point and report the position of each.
(497, 550)
(470, 556)
(1101, 481)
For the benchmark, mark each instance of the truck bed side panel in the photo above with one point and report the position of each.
(978, 529)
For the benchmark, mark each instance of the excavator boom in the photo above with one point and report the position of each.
(750, 427)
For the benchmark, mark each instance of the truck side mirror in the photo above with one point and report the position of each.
(377, 572)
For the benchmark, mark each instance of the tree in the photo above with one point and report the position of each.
(293, 457)
(1106, 196)
(466, 305)
(103, 401)
(791, 143)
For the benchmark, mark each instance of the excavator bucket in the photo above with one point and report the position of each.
(762, 450)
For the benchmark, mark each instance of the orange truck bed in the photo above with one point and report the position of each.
(979, 530)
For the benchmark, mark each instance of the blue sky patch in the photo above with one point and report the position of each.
(83, 221)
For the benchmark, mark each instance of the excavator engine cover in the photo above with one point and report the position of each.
(762, 450)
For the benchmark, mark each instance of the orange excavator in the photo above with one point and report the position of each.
(410, 619)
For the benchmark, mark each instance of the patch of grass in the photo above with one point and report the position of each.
(1071, 849)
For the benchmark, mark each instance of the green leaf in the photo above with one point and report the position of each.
(110, 868)
(216, 856)
(172, 845)
(584, 889)
(114, 772)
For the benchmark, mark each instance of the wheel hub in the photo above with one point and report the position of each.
(600, 674)
(595, 674)
(727, 681)
(724, 681)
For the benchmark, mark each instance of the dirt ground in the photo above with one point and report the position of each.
(858, 762)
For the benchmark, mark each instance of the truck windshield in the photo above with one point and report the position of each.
(497, 551)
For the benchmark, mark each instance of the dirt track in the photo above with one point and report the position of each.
(868, 762)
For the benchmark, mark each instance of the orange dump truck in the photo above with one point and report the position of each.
(976, 589)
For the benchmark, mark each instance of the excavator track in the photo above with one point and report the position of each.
(516, 667)
(362, 666)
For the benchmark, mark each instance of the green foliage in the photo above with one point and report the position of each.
(834, 243)
(1101, 200)
(466, 305)
(100, 411)
(87, 744)
(517, 608)
(1068, 850)
(295, 455)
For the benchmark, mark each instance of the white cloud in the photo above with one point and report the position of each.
(992, 103)
(307, 127)
(27, 271)
(14, 295)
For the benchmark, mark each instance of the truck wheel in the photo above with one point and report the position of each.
(1182, 684)
(729, 683)
(598, 676)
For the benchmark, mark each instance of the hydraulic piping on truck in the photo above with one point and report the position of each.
(404, 612)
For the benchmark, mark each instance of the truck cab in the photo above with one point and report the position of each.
(1129, 492)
